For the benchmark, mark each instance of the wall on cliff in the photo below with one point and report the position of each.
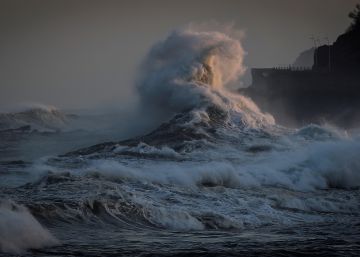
(344, 53)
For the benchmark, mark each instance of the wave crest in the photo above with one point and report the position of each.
(19, 230)
(39, 117)
(190, 70)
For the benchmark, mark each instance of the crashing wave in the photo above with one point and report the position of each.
(20, 231)
(228, 205)
(190, 70)
(39, 118)
(185, 77)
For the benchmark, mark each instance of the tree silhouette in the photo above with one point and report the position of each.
(355, 16)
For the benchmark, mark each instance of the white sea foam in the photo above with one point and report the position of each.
(39, 117)
(173, 219)
(20, 231)
(279, 186)
(143, 148)
(191, 70)
(318, 165)
(244, 175)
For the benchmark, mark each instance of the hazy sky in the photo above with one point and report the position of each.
(81, 54)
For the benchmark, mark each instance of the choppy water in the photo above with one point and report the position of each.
(241, 193)
(219, 178)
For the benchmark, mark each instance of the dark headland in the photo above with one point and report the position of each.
(329, 91)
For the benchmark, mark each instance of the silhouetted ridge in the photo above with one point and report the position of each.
(328, 92)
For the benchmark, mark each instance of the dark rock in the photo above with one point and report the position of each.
(329, 92)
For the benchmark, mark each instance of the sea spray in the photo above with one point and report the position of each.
(191, 70)
(19, 230)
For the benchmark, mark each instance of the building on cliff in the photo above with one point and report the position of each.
(329, 91)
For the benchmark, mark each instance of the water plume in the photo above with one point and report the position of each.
(188, 68)
(19, 230)
(191, 70)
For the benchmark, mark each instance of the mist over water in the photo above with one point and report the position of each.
(216, 177)
(190, 70)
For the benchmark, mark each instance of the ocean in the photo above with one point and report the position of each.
(217, 177)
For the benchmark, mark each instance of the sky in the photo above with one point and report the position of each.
(86, 54)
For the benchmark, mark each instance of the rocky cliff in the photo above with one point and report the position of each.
(327, 92)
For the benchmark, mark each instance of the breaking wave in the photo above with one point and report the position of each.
(35, 118)
(216, 137)
(215, 163)
(20, 231)
(190, 71)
